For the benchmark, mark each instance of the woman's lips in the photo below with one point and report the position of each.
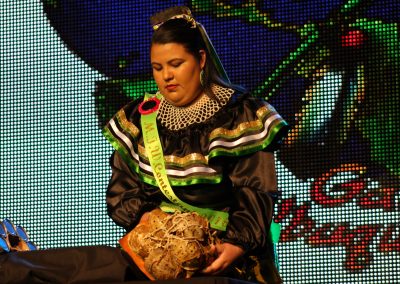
(171, 87)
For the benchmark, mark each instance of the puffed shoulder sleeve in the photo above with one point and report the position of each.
(126, 197)
(255, 190)
(250, 131)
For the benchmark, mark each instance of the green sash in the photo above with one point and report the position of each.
(218, 219)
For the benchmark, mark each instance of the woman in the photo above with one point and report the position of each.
(217, 145)
(217, 142)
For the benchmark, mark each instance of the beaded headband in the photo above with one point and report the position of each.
(188, 18)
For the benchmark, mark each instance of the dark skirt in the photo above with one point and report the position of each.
(88, 264)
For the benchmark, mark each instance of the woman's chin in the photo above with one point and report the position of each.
(176, 101)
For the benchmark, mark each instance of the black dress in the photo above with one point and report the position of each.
(224, 160)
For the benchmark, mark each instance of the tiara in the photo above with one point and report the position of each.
(186, 17)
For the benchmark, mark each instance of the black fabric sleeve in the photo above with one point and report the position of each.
(126, 197)
(255, 190)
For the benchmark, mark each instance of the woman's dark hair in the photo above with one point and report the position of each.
(181, 31)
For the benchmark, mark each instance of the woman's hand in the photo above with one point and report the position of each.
(226, 254)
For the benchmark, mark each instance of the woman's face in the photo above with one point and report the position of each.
(177, 72)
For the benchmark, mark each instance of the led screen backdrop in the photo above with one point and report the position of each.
(331, 68)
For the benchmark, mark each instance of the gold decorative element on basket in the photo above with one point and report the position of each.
(14, 238)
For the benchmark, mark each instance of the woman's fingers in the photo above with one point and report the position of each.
(217, 266)
(227, 253)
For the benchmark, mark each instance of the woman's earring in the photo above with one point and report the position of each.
(202, 77)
